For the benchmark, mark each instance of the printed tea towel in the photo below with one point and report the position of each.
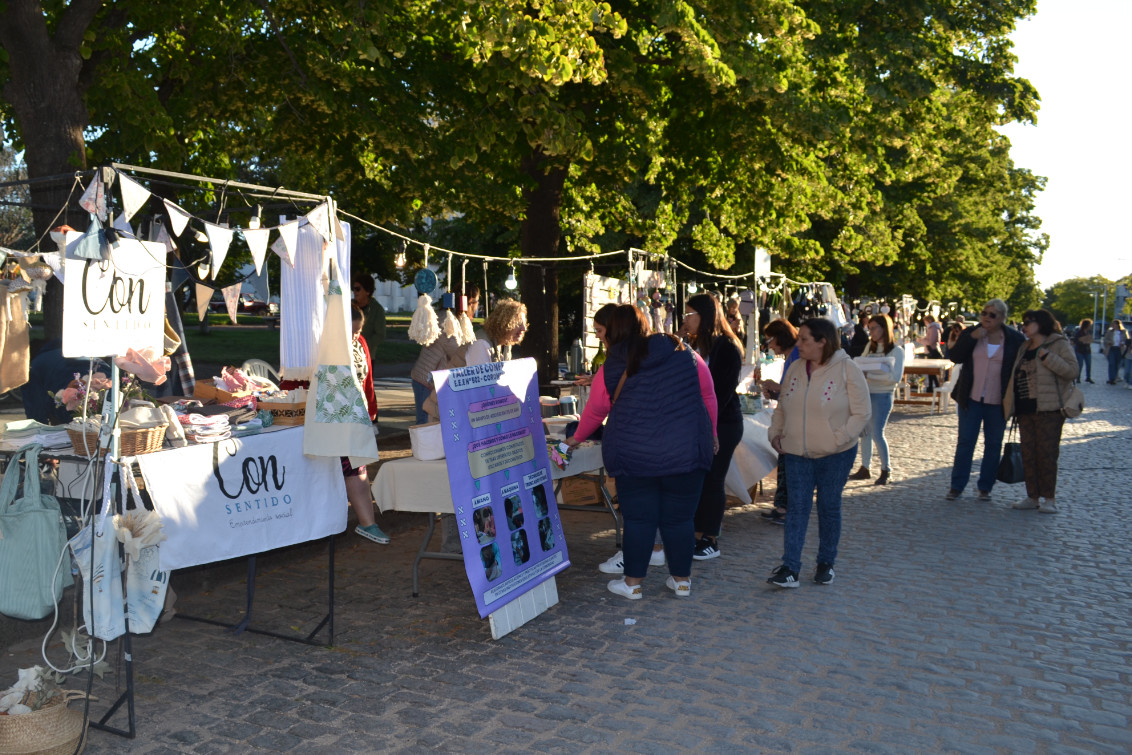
(337, 422)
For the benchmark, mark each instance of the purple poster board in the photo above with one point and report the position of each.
(500, 480)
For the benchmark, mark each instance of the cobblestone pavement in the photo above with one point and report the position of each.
(952, 627)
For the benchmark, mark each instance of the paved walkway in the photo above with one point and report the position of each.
(952, 627)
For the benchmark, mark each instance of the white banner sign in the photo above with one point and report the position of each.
(243, 496)
(119, 304)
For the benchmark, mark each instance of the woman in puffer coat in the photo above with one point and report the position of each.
(1042, 378)
(822, 411)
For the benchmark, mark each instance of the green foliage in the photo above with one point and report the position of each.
(1072, 300)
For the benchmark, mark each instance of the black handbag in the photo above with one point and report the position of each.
(1010, 467)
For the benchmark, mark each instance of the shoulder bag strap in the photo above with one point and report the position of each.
(617, 391)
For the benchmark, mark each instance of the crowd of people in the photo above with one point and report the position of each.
(834, 400)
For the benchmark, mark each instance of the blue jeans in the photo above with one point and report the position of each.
(990, 419)
(420, 393)
(874, 431)
(1127, 371)
(668, 503)
(828, 474)
(1113, 363)
(1084, 362)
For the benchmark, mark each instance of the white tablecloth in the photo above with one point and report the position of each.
(413, 485)
(754, 458)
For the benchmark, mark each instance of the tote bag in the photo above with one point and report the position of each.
(337, 420)
(104, 611)
(1010, 467)
(32, 537)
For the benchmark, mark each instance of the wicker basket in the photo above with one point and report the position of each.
(53, 729)
(134, 441)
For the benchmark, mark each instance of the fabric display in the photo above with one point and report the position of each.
(337, 418)
(23, 432)
(200, 428)
(14, 344)
(303, 288)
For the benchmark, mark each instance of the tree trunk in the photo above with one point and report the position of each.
(539, 236)
(45, 90)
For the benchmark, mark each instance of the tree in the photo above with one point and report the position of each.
(15, 216)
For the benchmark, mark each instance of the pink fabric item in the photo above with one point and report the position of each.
(149, 364)
(598, 404)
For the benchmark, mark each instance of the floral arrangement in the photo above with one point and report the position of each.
(84, 391)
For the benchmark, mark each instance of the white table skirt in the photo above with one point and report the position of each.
(754, 457)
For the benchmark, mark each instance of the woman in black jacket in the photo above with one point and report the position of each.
(987, 353)
(711, 336)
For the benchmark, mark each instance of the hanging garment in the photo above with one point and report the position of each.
(303, 301)
(337, 420)
(14, 345)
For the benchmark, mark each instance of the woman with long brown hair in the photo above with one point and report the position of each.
(883, 365)
(712, 338)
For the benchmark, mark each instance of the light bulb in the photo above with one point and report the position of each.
(693, 288)
(254, 223)
(511, 283)
(399, 260)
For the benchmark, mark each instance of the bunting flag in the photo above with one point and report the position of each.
(178, 275)
(204, 295)
(93, 199)
(134, 195)
(257, 243)
(319, 217)
(231, 300)
(219, 239)
(178, 218)
(121, 224)
(163, 237)
(289, 235)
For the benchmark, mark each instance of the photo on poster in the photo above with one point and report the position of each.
(492, 569)
(545, 534)
(513, 508)
(539, 496)
(519, 547)
(484, 521)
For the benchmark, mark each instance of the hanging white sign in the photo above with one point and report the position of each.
(114, 305)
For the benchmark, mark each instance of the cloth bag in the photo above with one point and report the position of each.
(1010, 467)
(32, 537)
(1074, 403)
(103, 602)
(337, 420)
(139, 531)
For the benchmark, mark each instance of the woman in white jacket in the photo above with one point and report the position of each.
(822, 410)
(883, 364)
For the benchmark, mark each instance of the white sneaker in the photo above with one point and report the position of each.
(1025, 503)
(619, 587)
(616, 564)
(1048, 506)
(683, 588)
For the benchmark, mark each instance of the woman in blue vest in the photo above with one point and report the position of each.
(658, 484)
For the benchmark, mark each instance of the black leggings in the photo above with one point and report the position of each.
(709, 514)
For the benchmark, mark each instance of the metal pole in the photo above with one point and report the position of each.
(1104, 306)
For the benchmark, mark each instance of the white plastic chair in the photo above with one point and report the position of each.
(260, 368)
(941, 396)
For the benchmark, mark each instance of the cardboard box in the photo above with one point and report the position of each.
(577, 491)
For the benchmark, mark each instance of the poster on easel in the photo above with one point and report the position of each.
(114, 304)
(499, 475)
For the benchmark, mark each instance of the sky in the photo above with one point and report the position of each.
(1076, 53)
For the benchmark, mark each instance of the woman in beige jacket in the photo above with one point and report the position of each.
(1040, 382)
(822, 411)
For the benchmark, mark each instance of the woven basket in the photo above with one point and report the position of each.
(54, 729)
(134, 440)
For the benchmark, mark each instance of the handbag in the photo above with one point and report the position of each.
(95, 548)
(1010, 467)
(32, 538)
(1073, 405)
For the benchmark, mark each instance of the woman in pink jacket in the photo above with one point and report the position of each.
(822, 411)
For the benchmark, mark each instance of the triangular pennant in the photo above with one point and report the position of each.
(93, 199)
(134, 195)
(319, 217)
(204, 296)
(231, 300)
(163, 237)
(178, 218)
(219, 239)
(289, 232)
(92, 245)
(121, 224)
(257, 243)
(284, 253)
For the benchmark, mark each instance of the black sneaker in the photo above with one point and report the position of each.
(706, 548)
(824, 574)
(783, 577)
